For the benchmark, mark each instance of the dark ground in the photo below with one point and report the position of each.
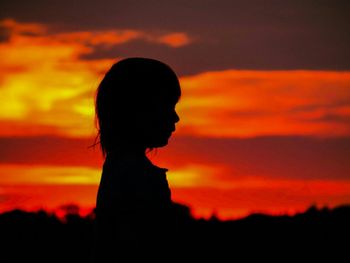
(317, 235)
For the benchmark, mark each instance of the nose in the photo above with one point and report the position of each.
(176, 117)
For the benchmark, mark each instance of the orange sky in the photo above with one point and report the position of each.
(47, 92)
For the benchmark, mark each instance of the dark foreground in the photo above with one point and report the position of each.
(317, 235)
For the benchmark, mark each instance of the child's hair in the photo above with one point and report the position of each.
(131, 93)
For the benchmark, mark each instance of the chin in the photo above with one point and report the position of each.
(160, 143)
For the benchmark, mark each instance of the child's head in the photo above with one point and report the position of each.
(135, 105)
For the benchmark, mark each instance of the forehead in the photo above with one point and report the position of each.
(165, 87)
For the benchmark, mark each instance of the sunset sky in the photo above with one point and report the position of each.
(265, 107)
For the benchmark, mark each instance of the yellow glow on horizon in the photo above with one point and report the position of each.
(47, 174)
(193, 176)
(188, 177)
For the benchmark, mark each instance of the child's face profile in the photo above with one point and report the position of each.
(160, 123)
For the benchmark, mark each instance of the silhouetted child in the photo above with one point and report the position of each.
(135, 109)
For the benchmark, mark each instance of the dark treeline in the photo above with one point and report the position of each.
(317, 235)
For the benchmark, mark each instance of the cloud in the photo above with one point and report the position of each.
(46, 83)
(234, 34)
(174, 40)
(278, 157)
(107, 38)
(50, 151)
(111, 38)
(248, 103)
(14, 27)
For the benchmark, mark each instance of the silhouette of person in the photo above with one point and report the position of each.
(135, 110)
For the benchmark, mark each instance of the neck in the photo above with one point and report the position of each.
(129, 150)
